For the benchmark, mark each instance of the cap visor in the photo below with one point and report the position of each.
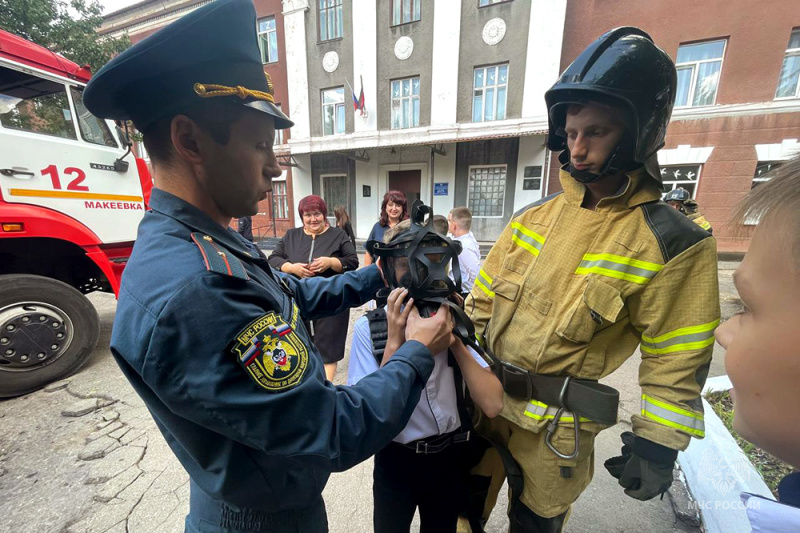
(282, 122)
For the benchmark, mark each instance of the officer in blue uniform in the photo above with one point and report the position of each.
(209, 336)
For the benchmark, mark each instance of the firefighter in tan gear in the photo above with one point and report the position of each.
(681, 200)
(579, 279)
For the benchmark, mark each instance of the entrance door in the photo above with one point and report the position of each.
(408, 181)
(335, 191)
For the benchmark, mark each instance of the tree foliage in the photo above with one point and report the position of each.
(69, 28)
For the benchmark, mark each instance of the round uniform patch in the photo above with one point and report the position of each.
(272, 353)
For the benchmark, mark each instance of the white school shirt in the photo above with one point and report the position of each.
(469, 260)
(437, 411)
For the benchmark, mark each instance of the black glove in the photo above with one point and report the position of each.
(644, 468)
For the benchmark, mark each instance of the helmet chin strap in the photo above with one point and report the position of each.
(584, 176)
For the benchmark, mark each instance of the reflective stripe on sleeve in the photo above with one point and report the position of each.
(673, 417)
(526, 238)
(484, 283)
(619, 267)
(541, 411)
(681, 340)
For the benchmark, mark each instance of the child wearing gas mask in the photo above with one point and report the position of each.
(762, 341)
(426, 466)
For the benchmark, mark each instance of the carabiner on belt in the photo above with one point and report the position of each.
(551, 427)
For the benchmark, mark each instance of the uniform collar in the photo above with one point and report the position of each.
(193, 218)
(638, 189)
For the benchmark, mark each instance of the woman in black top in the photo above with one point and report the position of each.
(343, 221)
(317, 249)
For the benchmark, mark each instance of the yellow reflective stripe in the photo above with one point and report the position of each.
(697, 432)
(638, 263)
(525, 245)
(613, 274)
(683, 339)
(484, 283)
(685, 347)
(541, 411)
(705, 225)
(525, 231)
(710, 326)
(673, 416)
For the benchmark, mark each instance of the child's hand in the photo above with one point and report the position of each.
(397, 316)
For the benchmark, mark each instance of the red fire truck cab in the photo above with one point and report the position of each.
(71, 198)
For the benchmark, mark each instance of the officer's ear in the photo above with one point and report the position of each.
(187, 139)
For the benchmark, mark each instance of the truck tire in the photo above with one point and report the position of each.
(47, 332)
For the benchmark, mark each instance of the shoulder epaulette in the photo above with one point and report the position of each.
(217, 258)
(674, 232)
(537, 203)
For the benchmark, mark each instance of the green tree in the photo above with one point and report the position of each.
(69, 28)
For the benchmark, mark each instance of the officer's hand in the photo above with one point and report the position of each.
(397, 316)
(642, 477)
(436, 332)
(300, 270)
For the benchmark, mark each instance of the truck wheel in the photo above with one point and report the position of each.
(47, 332)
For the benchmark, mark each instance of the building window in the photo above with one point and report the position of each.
(484, 3)
(333, 111)
(268, 40)
(489, 93)
(404, 11)
(280, 202)
(331, 25)
(405, 103)
(789, 81)
(487, 190)
(763, 168)
(699, 66)
(683, 176)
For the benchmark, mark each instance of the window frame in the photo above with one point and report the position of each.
(284, 196)
(470, 168)
(496, 92)
(694, 65)
(259, 33)
(409, 98)
(340, 7)
(77, 120)
(680, 183)
(331, 205)
(790, 52)
(322, 108)
(279, 139)
(392, 22)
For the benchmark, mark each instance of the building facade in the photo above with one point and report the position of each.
(737, 112)
(453, 103)
(276, 214)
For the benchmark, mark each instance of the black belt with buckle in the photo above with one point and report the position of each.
(438, 443)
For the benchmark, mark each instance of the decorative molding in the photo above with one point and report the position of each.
(427, 135)
(330, 61)
(290, 6)
(494, 31)
(403, 48)
(737, 110)
(684, 154)
(782, 151)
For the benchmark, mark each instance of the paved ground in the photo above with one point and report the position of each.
(84, 456)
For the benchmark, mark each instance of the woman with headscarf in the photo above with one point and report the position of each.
(316, 249)
(394, 209)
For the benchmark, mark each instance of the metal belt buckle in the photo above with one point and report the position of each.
(422, 447)
(517, 371)
(551, 427)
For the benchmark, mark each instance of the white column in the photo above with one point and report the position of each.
(294, 18)
(445, 169)
(301, 183)
(542, 63)
(365, 60)
(444, 85)
(531, 152)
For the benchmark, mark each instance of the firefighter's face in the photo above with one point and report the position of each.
(593, 132)
(239, 174)
(763, 342)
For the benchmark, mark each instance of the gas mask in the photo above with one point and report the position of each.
(417, 260)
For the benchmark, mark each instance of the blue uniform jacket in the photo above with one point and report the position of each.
(178, 337)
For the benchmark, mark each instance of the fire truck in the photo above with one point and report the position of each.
(71, 197)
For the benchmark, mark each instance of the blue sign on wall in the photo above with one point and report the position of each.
(440, 189)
